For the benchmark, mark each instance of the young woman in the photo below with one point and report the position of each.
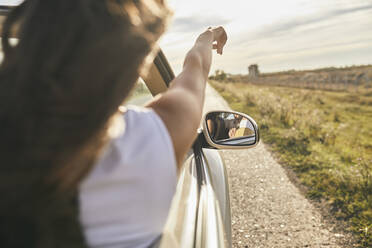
(66, 181)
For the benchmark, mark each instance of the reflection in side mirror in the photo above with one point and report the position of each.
(230, 130)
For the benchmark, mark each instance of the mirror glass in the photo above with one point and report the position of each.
(229, 128)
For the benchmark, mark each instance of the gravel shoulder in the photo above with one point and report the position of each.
(268, 210)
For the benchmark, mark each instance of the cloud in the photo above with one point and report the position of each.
(309, 34)
(191, 23)
(309, 49)
(339, 37)
(288, 26)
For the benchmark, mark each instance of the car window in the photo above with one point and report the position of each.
(140, 95)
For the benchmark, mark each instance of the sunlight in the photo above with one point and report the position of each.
(275, 34)
(248, 14)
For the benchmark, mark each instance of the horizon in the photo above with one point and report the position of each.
(302, 70)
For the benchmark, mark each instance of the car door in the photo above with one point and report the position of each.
(200, 212)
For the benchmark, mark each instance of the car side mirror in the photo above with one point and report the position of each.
(230, 130)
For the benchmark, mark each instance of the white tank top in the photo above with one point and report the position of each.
(124, 201)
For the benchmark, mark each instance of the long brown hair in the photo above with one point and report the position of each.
(73, 65)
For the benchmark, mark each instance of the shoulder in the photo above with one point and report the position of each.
(144, 123)
(180, 112)
(143, 145)
(145, 133)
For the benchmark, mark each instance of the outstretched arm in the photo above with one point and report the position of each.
(181, 106)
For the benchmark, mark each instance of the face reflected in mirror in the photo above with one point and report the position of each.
(228, 128)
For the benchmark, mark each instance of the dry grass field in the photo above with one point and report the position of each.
(325, 137)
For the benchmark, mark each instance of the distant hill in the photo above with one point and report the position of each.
(331, 78)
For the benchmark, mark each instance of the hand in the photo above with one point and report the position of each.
(232, 132)
(219, 38)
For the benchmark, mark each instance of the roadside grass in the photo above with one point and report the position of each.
(324, 137)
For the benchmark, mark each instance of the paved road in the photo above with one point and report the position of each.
(267, 209)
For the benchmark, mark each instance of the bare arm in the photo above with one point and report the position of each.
(181, 106)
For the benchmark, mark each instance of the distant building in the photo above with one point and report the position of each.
(253, 71)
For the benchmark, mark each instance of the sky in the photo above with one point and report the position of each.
(276, 35)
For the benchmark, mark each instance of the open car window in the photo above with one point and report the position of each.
(140, 94)
(157, 81)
